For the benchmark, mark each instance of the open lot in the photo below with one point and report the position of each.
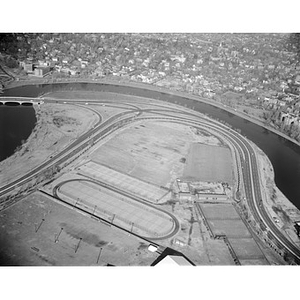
(25, 239)
(208, 163)
(124, 211)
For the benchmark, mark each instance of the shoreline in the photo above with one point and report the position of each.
(242, 115)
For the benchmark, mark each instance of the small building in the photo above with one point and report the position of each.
(211, 197)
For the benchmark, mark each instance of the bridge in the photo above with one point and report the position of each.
(16, 101)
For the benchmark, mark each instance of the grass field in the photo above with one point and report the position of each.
(208, 163)
(148, 151)
(224, 220)
(220, 211)
(25, 239)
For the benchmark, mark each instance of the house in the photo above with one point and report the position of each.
(66, 60)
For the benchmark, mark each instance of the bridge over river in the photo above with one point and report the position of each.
(16, 101)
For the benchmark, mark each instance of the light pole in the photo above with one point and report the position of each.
(99, 255)
(56, 239)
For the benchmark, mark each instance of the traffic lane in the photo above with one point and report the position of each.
(27, 177)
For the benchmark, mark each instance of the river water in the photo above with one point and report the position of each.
(284, 155)
(16, 124)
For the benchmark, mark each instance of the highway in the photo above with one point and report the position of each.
(251, 181)
(99, 129)
(249, 173)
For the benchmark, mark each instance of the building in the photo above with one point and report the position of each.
(28, 67)
(288, 118)
(211, 197)
(41, 71)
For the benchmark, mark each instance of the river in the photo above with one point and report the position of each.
(283, 154)
(16, 124)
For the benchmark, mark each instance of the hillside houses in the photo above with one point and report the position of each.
(257, 67)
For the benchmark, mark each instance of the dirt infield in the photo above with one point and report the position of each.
(208, 163)
(123, 211)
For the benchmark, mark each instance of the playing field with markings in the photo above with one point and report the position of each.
(122, 181)
(208, 163)
(220, 211)
(223, 219)
(124, 211)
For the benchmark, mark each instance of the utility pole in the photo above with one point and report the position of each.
(56, 239)
(99, 255)
(39, 225)
(76, 248)
(113, 217)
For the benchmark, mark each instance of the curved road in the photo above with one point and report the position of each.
(241, 145)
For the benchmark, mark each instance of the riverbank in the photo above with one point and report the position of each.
(151, 87)
(280, 209)
(56, 127)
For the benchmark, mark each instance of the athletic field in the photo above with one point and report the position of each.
(208, 163)
(117, 209)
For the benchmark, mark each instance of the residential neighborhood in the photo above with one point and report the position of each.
(256, 74)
